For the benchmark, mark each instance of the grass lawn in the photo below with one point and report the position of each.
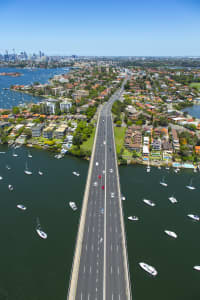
(119, 133)
(195, 85)
(87, 145)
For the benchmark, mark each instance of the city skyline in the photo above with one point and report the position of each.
(103, 29)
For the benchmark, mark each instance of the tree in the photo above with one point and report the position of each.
(15, 110)
(28, 132)
(77, 140)
(57, 108)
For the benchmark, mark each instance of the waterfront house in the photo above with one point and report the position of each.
(37, 130)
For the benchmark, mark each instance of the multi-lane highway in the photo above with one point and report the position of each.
(100, 268)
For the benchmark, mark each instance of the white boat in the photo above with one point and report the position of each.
(22, 207)
(40, 173)
(167, 166)
(159, 167)
(29, 155)
(163, 183)
(151, 270)
(171, 233)
(10, 187)
(123, 198)
(190, 186)
(8, 167)
(149, 202)
(59, 156)
(26, 171)
(39, 230)
(1, 177)
(194, 217)
(133, 218)
(14, 154)
(172, 199)
(148, 168)
(73, 205)
(176, 170)
(195, 170)
(75, 173)
(196, 268)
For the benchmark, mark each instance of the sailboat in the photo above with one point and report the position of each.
(26, 171)
(163, 183)
(29, 155)
(172, 199)
(190, 186)
(8, 167)
(148, 167)
(14, 154)
(39, 230)
(40, 172)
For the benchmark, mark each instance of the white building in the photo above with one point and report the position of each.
(65, 106)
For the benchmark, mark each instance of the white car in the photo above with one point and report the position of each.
(112, 195)
(97, 163)
(111, 170)
(95, 183)
(104, 142)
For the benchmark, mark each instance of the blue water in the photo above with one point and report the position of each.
(193, 111)
(9, 98)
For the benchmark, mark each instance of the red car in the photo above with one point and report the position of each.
(102, 187)
(99, 176)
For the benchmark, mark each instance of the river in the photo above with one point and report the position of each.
(37, 269)
(10, 98)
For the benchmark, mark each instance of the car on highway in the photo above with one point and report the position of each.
(95, 183)
(112, 195)
(99, 176)
(111, 170)
(102, 210)
(102, 187)
(97, 163)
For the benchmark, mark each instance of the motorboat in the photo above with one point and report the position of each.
(26, 171)
(73, 205)
(148, 167)
(8, 167)
(1, 177)
(59, 156)
(40, 173)
(22, 207)
(133, 218)
(149, 202)
(163, 183)
(176, 170)
(172, 199)
(149, 269)
(194, 217)
(190, 186)
(123, 198)
(171, 233)
(75, 173)
(14, 154)
(10, 187)
(196, 268)
(39, 230)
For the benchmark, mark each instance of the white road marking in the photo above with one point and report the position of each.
(111, 269)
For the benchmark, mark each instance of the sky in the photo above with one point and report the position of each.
(102, 28)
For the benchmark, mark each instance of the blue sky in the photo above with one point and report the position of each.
(106, 27)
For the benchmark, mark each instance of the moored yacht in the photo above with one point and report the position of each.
(149, 202)
(22, 207)
(75, 173)
(148, 167)
(8, 167)
(123, 198)
(40, 173)
(10, 187)
(73, 205)
(171, 233)
(196, 268)
(26, 171)
(14, 154)
(194, 217)
(190, 186)
(172, 199)
(133, 218)
(39, 230)
(151, 270)
(1, 177)
(29, 155)
(163, 183)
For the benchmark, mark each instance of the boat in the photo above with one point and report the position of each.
(195, 170)
(196, 268)
(2, 152)
(10, 187)
(149, 269)
(75, 173)
(133, 218)
(29, 155)
(40, 173)
(190, 186)
(172, 199)
(159, 167)
(123, 198)
(39, 230)
(1, 177)
(8, 167)
(171, 233)
(22, 207)
(149, 202)
(194, 217)
(167, 166)
(26, 171)
(176, 170)
(148, 168)
(59, 156)
(73, 205)
(14, 154)
(163, 183)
